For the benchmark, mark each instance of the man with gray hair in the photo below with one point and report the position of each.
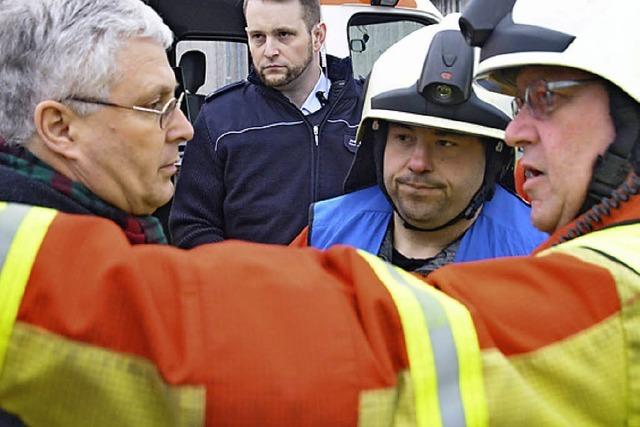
(89, 123)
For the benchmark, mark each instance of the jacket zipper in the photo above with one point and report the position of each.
(316, 136)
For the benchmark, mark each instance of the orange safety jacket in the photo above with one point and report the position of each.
(94, 331)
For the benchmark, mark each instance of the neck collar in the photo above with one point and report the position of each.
(621, 206)
(139, 229)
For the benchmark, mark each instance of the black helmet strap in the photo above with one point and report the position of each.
(612, 168)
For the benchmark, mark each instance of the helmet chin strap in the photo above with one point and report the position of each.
(493, 168)
(467, 213)
(612, 168)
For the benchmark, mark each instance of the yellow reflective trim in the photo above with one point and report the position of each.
(423, 374)
(51, 380)
(472, 389)
(469, 358)
(17, 266)
(419, 348)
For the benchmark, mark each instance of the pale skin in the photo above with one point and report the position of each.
(121, 155)
(285, 52)
(431, 175)
(559, 150)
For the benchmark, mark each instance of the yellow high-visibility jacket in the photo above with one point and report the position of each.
(97, 332)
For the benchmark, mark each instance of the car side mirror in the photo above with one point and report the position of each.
(359, 45)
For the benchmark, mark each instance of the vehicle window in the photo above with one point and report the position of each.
(371, 34)
(226, 61)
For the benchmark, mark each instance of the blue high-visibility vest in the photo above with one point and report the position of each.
(361, 218)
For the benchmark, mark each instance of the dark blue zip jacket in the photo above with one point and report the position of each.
(361, 218)
(256, 162)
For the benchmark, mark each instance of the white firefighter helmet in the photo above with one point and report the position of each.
(401, 67)
(426, 79)
(597, 36)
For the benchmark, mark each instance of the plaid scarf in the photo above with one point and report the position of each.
(139, 229)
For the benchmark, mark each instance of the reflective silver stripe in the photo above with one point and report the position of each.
(10, 219)
(444, 354)
(236, 132)
(343, 122)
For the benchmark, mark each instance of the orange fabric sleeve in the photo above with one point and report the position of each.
(302, 239)
(262, 327)
(271, 331)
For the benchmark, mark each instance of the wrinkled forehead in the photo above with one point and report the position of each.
(525, 75)
(142, 65)
(511, 81)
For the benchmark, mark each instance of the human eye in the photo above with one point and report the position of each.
(257, 38)
(446, 143)
(283, 35)
(402, 138)
(158, 102)
(156, 105)
(540, 95)
(540, 99)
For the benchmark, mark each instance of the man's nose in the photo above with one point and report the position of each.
(521, 130)
(180, 128)
(421, 159)
(271, 48)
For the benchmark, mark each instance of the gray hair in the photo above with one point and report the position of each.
(57, 49)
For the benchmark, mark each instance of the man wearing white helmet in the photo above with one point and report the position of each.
(551, 60)
(423, 188)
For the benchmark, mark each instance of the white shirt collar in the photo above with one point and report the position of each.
(312, 103)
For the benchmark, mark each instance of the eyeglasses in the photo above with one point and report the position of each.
(166, 113)
(540, 96)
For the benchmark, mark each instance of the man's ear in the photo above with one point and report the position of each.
(54, 124)
(319, 34)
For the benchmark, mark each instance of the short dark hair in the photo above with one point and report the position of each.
(310, 10)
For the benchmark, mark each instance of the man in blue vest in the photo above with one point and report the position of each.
(423, 191)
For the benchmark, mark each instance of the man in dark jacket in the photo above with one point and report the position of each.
(267, 147)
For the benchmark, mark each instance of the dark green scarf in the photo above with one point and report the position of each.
(139, 229)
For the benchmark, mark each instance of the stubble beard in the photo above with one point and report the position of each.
(292, 73)
(421, 212)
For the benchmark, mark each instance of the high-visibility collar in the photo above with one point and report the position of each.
(22, 230)
(442, 348)
(607, 241)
